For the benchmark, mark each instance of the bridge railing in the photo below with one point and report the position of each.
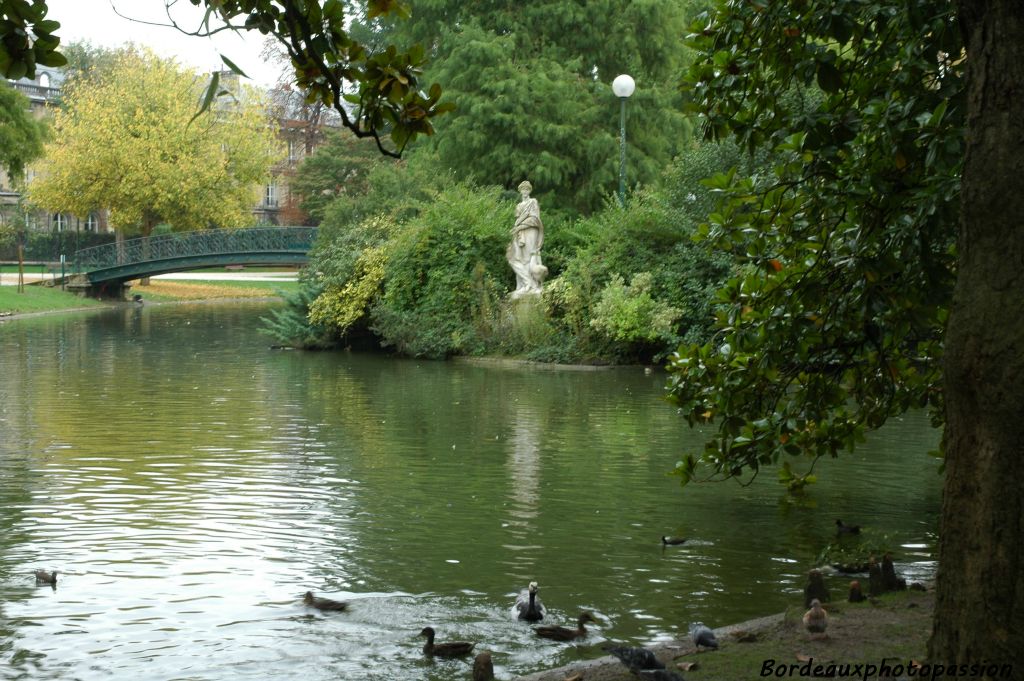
(195, 243)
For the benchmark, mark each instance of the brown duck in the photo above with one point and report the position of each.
(323, 603)
(564, 633)
(45, 577)
(451, 649)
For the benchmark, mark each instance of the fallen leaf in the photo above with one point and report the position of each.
(687, 666)
(800, 657)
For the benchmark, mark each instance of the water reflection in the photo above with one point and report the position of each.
(192, 484)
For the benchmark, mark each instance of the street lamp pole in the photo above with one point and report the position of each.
(623, 87)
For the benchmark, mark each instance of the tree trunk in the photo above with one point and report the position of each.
(979, 613)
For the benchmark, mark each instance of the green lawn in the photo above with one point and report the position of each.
(40, 299)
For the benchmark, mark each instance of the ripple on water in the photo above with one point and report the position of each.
(215, 482)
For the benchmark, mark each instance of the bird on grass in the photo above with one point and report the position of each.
(564, 633)
(451, 649)
(842, 528)
(528, 606)
(702, 637)
(816, 619)
(635, 659)
(45, 577)
(483, 668)
(323, 603)
(672, 541)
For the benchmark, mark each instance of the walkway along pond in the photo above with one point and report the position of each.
(190, 485)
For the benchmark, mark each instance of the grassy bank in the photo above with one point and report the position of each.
(163, 290)
(891, 630)
(40, 299)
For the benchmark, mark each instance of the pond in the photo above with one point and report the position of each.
(190, 484)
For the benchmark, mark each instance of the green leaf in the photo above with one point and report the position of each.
(231, 65)
(211, 92)
(829, 77)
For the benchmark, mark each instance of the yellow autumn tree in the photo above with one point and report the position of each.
(128, 141)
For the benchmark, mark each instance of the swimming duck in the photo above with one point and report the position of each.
(323, 603)
(483, 668)
(528, 606)
(702, 636)
(451, 649)
(44, 577)
(564, 633)
(672, 541)
(846, 529)
(816, 619)
(636, 659)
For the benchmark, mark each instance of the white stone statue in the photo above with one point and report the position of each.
(523, 253)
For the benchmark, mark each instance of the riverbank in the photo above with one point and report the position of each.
(42, 299)
(891, 630)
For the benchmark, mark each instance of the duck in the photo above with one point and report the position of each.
(326, 604)
(816, 619)
(702, 636)
(451, 649)
(483, 667)
(45, 577)
(842, 528)
(564, 633)
(528, 606)
(672, 541)
(635, 659)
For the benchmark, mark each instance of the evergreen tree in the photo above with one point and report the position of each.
(531, 83)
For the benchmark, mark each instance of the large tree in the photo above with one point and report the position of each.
(327, 62)
(863, 298)
(21, 134)
(532, 83)
(128, 142)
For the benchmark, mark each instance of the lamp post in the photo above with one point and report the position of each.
(623, 87)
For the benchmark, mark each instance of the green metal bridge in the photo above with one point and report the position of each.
(103, 270)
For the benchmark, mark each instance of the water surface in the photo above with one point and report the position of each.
(191, 484)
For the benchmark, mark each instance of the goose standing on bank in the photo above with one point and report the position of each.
(528, 606)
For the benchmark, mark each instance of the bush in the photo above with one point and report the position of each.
(445, 274)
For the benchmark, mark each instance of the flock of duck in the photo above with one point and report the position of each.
(528, 607)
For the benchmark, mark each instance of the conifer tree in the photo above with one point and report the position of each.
(532, 86)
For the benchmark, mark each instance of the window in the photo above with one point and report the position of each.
(44, 80)
(60, 222)
(271, 197)
(92, 223)
(293, 150)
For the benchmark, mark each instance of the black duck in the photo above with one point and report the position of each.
(451, 649)
(672, 541)
(842, 528)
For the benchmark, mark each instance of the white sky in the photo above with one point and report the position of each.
(95, 21)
